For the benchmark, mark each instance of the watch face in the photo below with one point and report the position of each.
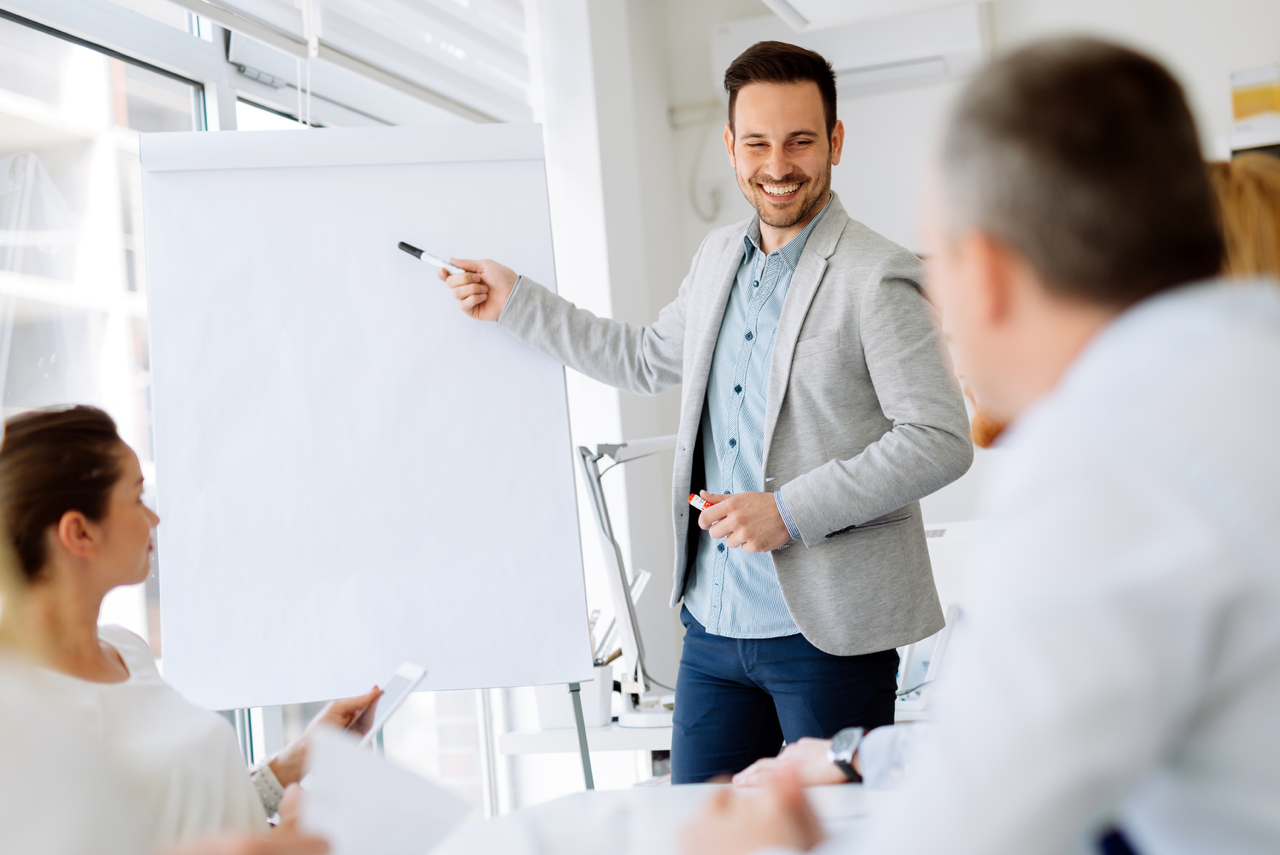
(845, 742)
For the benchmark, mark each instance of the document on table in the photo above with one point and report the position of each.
(366, 806)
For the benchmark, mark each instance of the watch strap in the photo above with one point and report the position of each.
(849, 772)
(844, 746)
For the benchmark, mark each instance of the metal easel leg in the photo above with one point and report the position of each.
(582, 736)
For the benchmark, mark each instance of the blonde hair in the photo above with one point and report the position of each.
(1248, 192)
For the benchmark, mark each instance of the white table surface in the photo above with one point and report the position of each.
(638, 821)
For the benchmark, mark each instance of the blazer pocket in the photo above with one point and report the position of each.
(866, 526)
(815, 345)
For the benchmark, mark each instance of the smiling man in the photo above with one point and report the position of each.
(818, 408)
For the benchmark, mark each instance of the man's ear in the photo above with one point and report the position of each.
(728, 145)
(994, 266)
(75, 535)
(837, 142)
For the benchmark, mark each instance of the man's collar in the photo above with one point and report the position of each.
(790, 253)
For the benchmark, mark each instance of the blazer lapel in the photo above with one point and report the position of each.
(804, 286)
(718, 298)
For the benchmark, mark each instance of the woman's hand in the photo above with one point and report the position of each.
(290, 764)
(341, 714)
(291, 808)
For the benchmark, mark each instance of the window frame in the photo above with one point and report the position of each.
(346, 95)
(198, 108)
(134, 38)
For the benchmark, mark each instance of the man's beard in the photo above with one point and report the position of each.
(813, 195)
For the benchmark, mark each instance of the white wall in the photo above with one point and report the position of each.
(631, 70)
(889, 136)
(693, 89)
(1202, 42)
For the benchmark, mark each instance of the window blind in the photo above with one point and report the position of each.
(471, 55)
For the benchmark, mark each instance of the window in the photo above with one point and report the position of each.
(73, 313)
(253, 117)
(466, 57)
(438, 735)
(73, 279)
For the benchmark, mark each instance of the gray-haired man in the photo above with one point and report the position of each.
(1117, 685)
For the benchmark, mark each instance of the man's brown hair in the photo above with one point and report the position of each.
(780, 62)
(1082, 156)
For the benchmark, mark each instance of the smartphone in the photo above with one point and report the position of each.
(394, 691)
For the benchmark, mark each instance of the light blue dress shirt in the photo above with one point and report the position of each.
(734, 593)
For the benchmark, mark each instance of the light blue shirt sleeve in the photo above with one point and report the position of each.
(786, 516)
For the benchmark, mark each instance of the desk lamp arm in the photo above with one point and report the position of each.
(619, 584)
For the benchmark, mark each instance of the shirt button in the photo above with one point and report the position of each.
(732, 443)
(719, 547)
(737, 389)
(750, 336)
(755, 284)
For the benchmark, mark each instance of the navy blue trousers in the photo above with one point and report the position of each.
(1115, 843)
(737, 699)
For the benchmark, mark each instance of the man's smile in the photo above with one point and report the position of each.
(781, 191)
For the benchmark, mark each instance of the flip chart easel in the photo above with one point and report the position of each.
(352, 473)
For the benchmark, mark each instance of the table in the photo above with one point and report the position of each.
(638, 821)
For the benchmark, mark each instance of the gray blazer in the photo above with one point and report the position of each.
(864, 418)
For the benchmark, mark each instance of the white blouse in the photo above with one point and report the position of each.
(184, 761)
(61, 791)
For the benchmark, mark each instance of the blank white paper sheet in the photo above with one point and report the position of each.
(352, 473)
(364, 805)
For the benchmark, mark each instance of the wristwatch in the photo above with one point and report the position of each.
(843, 746)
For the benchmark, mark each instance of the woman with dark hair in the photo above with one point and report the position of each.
(71, 500)
(45, 749)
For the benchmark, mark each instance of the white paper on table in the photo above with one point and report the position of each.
(364, 805)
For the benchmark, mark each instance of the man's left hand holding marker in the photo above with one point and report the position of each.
(749, 520)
